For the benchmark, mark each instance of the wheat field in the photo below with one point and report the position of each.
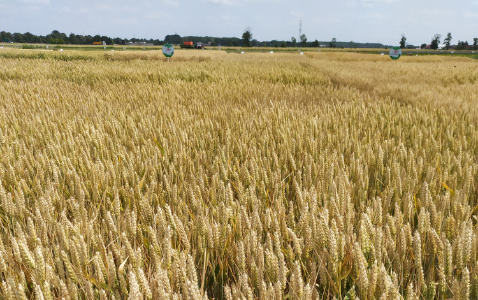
(227, 176)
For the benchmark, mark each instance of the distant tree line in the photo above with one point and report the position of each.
(56, 37)
(436, 39)
(213, 41)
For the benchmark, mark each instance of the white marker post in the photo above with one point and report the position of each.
(168, 50)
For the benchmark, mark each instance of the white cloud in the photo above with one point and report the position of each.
(470, 15)
(378, 1)
(329, 19)
(371, 3)
(375, 16)
(171, 2)
(223, 2)
(436, 12)
(262, 1)
(296, 14)
(36, 1)
(158, 16)
(104, 7)
(351, 4)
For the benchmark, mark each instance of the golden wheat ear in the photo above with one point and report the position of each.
(337, 174)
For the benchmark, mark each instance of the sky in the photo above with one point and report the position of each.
(372, 21)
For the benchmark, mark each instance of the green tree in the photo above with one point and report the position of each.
(73, 39)
(294, 41)
(8, 37)
(303, 39)
(447, 40)
(18, 37)
(462, 45)
(56, 41)
(247, 37)
(29, 38)
(423, 46)
(173, 39)
(475, 43)
(118, 41)
(56, 37)
(333, 43)
(403, 42)
(316, 44)
(435, 41)
(107, 40)
(88, 39)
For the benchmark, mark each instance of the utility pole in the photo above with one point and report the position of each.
(300, 30)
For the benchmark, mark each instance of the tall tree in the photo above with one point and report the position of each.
(88, 39)
(333, 43)
(18, 37)
(435, 41)
(56, 37)
(29, 38)
(73, 39)
(294, 41)
(303, 39)
(247, 36)
(8, 37)
(475, 43)
(107, 40)
(403, 42)
(173, 39)
(462, 45)
(447, 40)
